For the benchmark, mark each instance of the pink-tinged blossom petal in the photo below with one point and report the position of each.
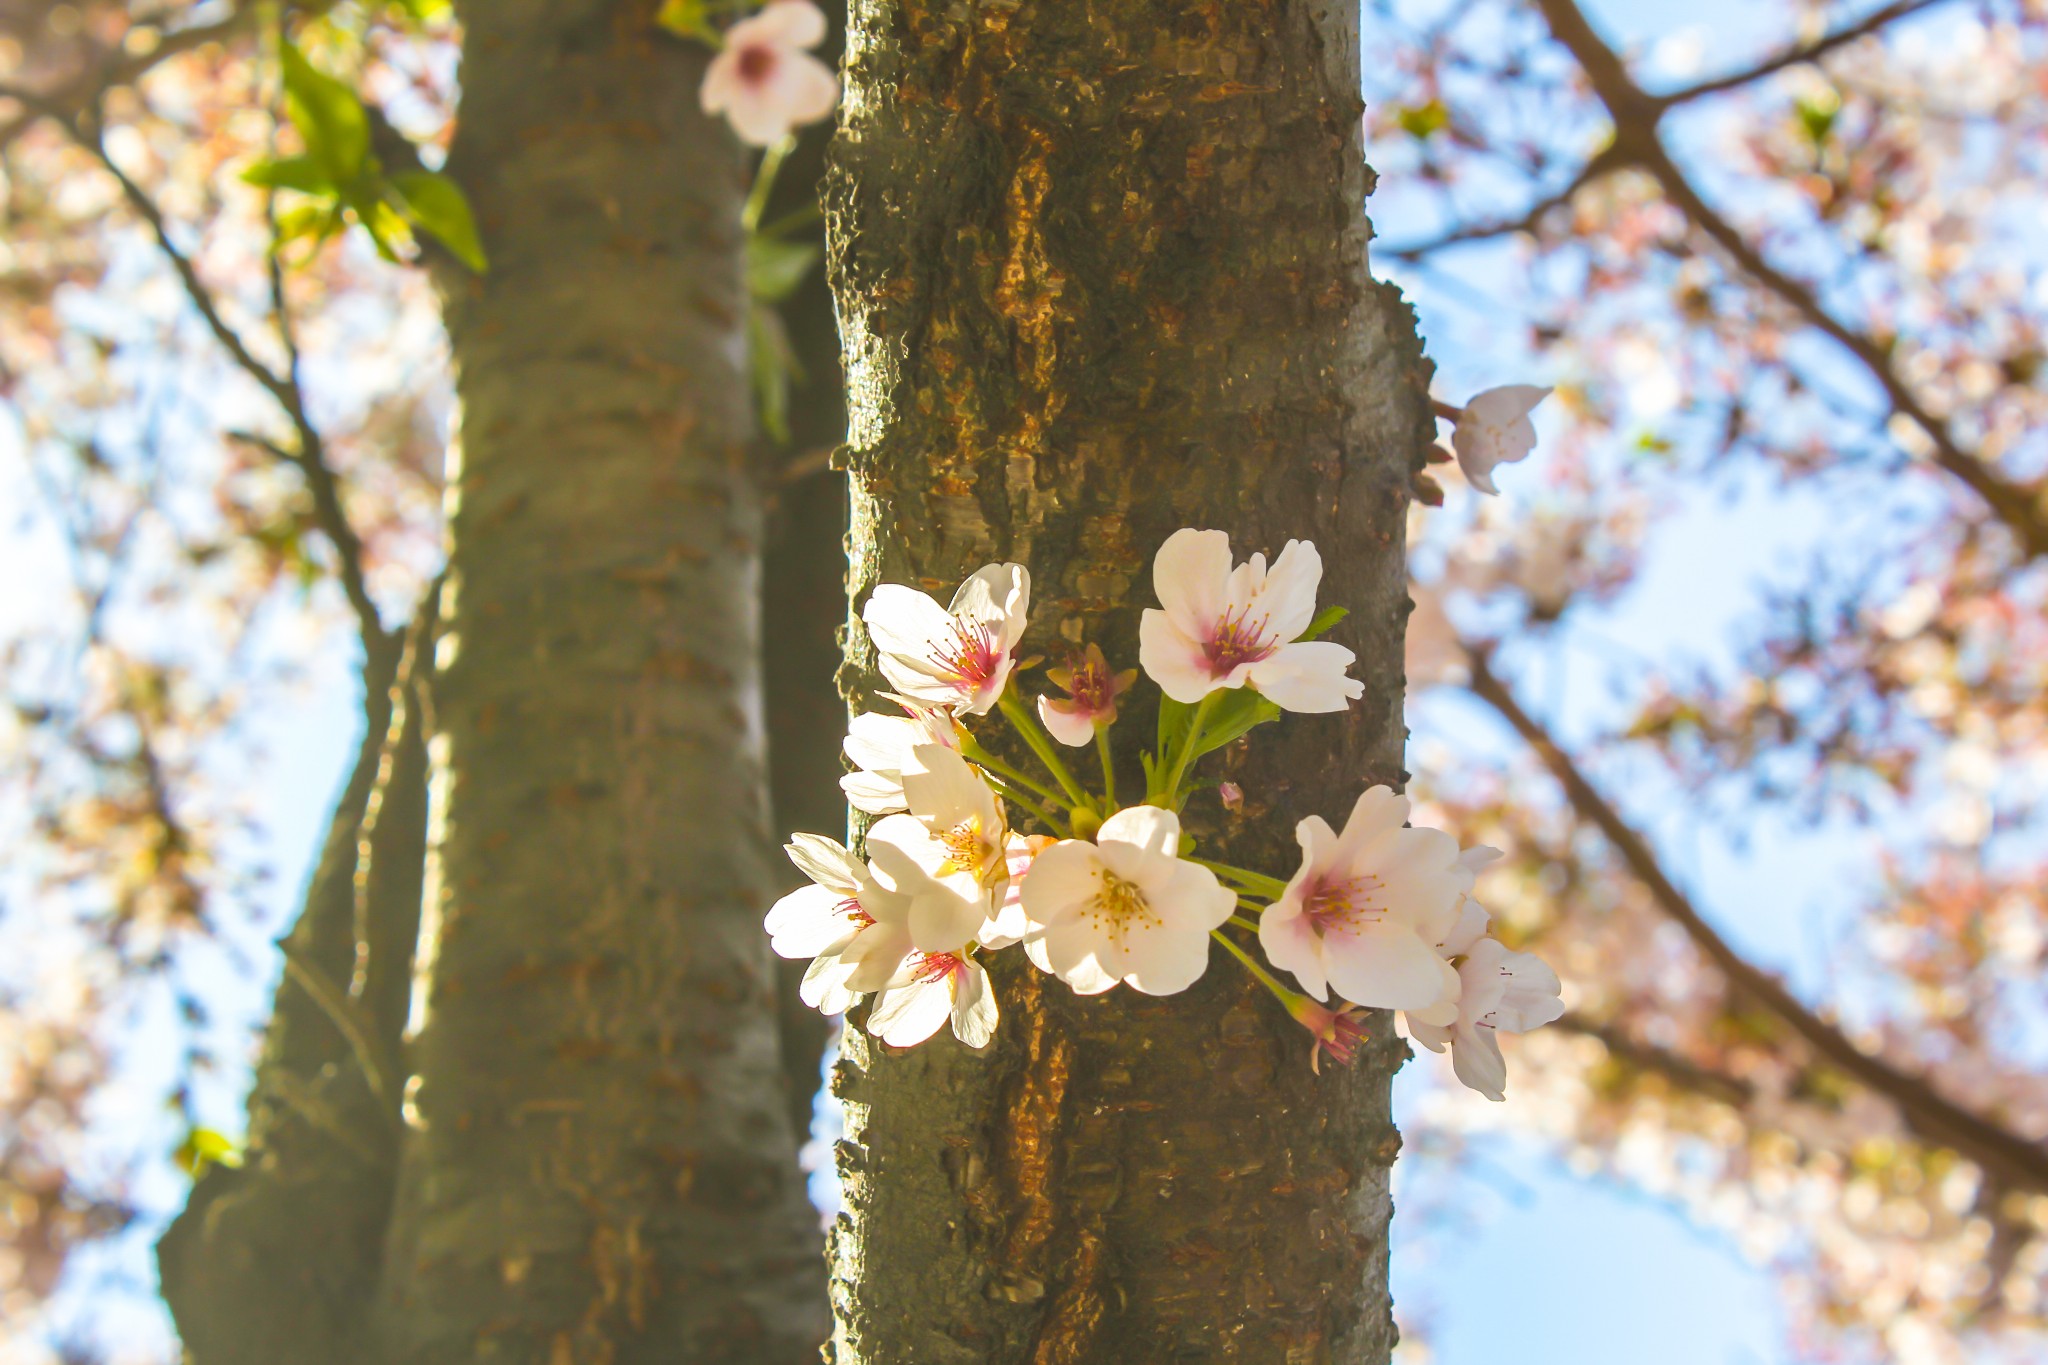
(959, 657)
(763, 81)
(1366, 909)
(841, 922)
(1219, 627)
(1090, 704)
(1502, 992)
(1495, 430)
(929, 990)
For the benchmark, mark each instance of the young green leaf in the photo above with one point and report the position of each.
(436, 206)
(772, 364)
(305, 174)
(329, 117)
(1324, 619)
(775, 269)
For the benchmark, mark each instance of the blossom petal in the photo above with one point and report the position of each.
(874, 793)
(826, 862)
(809, 921)
(974, 1007)
(1288, 599)
(904, 1016)
(1291, 943)
(997, 595)
(1475, 1057)
(1190, 575)
(1151, 828)
(1168, 954)
(1072, 951)
(1174, 660)
(1062, 882)
(1385, 966)
(786, 23)
(1307, 678)
(1070, 726)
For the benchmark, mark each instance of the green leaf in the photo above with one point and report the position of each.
(771, 363)
(775, 269)
(1174, 719)
(204, 1147)
(329, 117)
(1324, 619)
(688, 19)
(318, 221)
(305, 174)
(437, 206)
(1238, 711)
(1421, 121)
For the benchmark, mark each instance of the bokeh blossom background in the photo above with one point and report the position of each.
(1753, 582)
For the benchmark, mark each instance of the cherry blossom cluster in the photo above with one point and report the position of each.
(1104, 894)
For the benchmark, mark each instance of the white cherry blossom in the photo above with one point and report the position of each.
(1219, 626)
(1494, 430)
(763, 80)
(1501, 992)
(852, 928)
(958, 656)
(930, 989)
(1124, 908)
(879, 746)
(1366, 910)
(949, 854)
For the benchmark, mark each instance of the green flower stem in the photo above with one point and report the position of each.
(764, 181)
(983, 758)
(1108, 769)
(1169, 793)
(1014, 710)
(1260, 974)
(1016, 797)
(1241, 922)
(1245, 902)
(1247, 879)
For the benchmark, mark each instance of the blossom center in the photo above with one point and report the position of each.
(972, 658)
(968, 849)
(927, 968)
(1344, 905)
(852, 912)
(1119, 904)
(1237, 640)
(755, 62)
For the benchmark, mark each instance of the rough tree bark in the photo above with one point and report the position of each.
(600, 1167)
(1102, 273)
(275, 1261)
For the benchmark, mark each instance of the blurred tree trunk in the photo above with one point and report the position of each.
(1102, 274)
(593, 1159)
(601, 1168)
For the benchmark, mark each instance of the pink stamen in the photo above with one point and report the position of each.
(929, 967)
(850, 910)
(1238, 640)
(974, 660)
(1348, 904)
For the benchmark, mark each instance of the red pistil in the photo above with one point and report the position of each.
(756, 62)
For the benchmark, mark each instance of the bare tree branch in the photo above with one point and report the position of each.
(1636, 142)
(1798, 56)
(2009, 1157)
(1608, 159)
(309, 457)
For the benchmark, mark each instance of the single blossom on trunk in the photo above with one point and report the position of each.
(852, 928)
(879, 746)
(1090, 703)
(928, 990)
(958, 656)
(1219, 627)
(1494, 430)
(1366, 909)
(763, 80)
(1502, 992)
(1124, 908)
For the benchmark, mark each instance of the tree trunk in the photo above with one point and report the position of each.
(1101, 272)
(601, 1168)
(276, 1260)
